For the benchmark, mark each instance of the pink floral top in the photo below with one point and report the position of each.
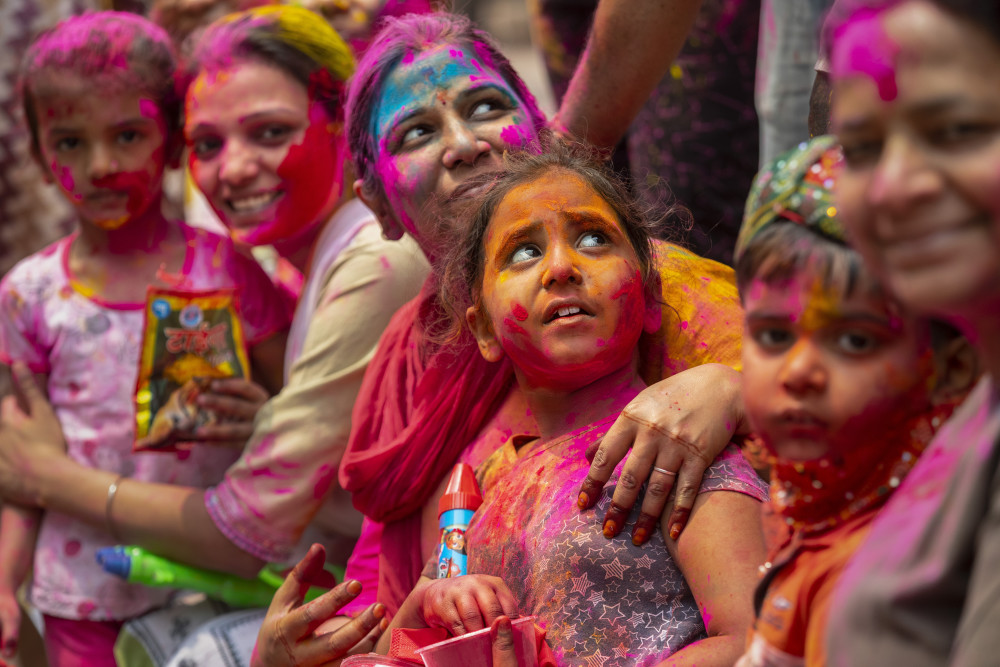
(603, 602)
(90, 350)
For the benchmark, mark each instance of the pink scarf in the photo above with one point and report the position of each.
(394, 461)
(813, 497)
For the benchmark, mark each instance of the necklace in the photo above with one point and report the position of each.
(815, 496)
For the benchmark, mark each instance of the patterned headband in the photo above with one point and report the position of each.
(796, 187)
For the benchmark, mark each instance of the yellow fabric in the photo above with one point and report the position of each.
(702, 316)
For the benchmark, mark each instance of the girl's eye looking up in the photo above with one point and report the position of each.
(524, 253)
(593, 240)
(128, 137)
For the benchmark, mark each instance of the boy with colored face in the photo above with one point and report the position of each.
(843, 387)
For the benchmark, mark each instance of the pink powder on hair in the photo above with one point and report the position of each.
(484, 55)
(863, 47)
(99, 43)
(479, 68)
(515, 135)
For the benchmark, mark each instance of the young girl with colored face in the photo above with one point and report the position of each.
(558, 271)
(100, 102)
(843, 386)
(432, 105)
(264, 111)
(916, 106)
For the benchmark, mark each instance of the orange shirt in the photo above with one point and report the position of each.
(797, 586)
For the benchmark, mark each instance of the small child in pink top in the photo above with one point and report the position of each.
(101, 106)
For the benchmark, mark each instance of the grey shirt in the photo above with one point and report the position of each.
(924, 589)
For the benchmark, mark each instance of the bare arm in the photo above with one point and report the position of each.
(166, 519)
(631, 46)
(719, 553)
(18, 525)
(18, 532)
(170, 520)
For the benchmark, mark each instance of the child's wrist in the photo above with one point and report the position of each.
(411, 612)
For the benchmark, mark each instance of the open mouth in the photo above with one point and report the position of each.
(567, 312)
(253, 203)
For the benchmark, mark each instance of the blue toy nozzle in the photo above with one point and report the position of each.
(115, 561)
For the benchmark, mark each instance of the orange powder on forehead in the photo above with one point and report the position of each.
(821, 306)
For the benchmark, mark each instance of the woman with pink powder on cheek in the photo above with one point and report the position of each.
(555, 273)
(916, 106)
(434, 103)
(263, 122)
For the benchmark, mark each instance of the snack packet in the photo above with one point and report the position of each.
(189, 339)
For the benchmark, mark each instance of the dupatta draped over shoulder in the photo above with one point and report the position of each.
(421, 404)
